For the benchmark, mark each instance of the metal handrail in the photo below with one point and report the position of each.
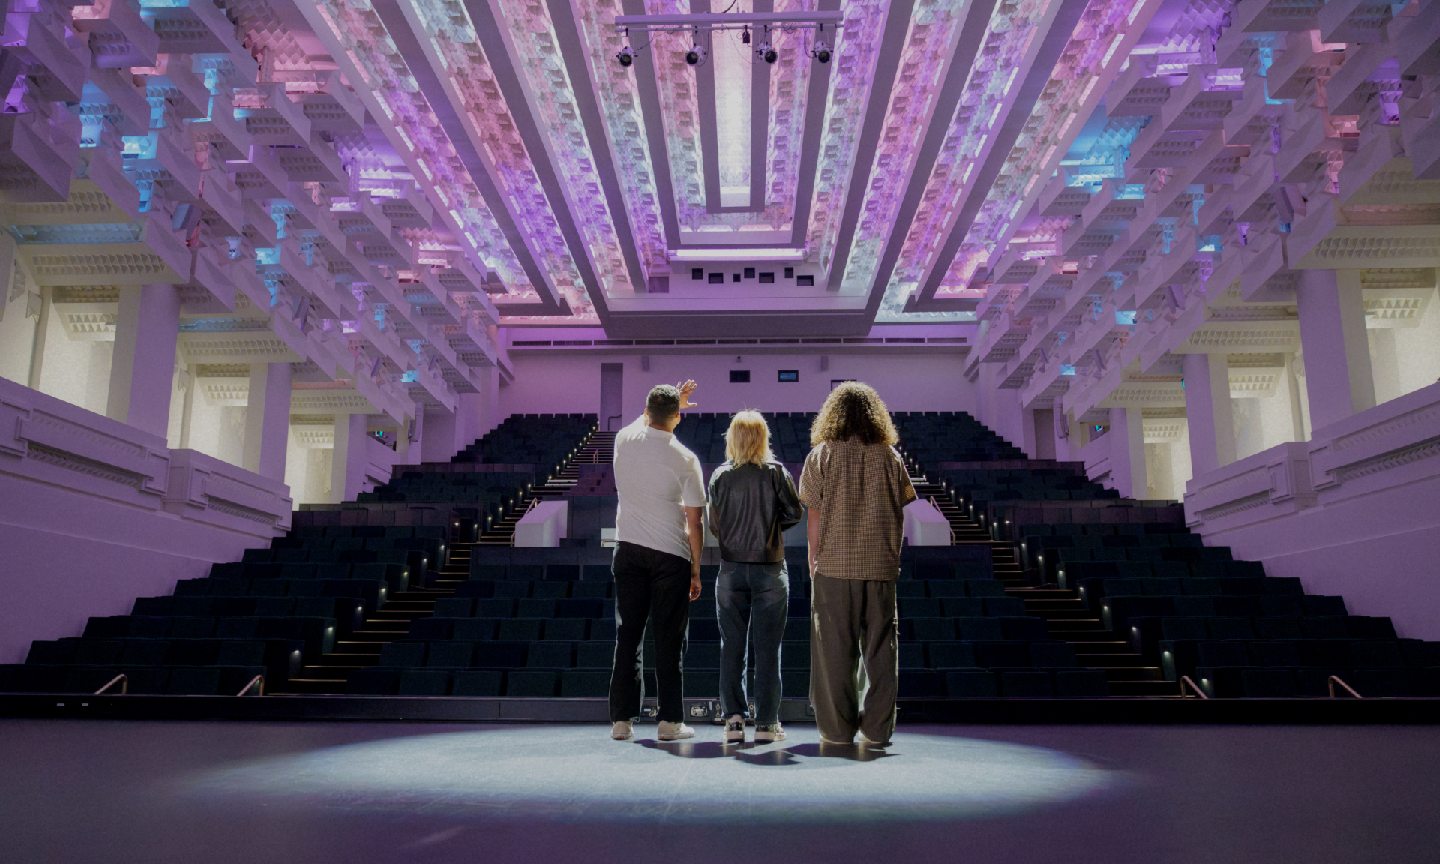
(120, 679)
(1184, 693)
(612, 417)
(257, 684)
(1336, 679)
(936, 504)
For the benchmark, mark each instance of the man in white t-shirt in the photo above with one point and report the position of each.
(657, 559)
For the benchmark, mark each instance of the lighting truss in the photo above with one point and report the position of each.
(712, 21)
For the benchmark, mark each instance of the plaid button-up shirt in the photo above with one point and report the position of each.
(860, 491)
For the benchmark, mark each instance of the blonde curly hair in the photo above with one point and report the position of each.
(854, 410)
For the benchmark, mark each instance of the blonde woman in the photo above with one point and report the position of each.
(752, 501)
(855, 486)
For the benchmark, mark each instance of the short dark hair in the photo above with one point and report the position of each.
(663, 402)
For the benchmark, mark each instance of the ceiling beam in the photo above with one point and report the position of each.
(396, 17)
(977, 23)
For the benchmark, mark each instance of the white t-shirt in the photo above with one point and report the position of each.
(655, 476)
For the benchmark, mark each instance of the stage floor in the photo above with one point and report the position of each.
(86, 791)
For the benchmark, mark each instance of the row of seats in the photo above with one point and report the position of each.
(799, 605)
(206, 680)
(1184, 656)
(795, 654)
(1290, 683)
(595, 683)
(484, 625)
(276, 657)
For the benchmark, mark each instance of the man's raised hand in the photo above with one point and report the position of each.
(687, 387)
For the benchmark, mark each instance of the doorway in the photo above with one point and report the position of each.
(612, 385)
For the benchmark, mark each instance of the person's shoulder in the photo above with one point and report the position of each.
(685, 452)
(631, 431)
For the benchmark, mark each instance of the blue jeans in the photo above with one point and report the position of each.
(753, 598)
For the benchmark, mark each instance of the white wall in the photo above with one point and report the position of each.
(571, 382)
(307, 472)
(17, 338)
(1404, 359)
(75, 370)
(1263, 422)
(217, 430)
(1167, 468)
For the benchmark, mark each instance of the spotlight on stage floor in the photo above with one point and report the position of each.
(573, 774)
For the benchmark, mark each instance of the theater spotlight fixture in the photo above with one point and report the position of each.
(710, 22)
(821, 49)
(626, 55)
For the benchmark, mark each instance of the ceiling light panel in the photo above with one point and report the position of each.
(930, 45)
(402, 108)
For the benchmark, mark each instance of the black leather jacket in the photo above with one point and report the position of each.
(750, 508)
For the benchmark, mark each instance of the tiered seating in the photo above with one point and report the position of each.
(266, 614)
(533, 439)
(539, 623)
(526, 628)
(981, 487)
(704, 434)
(934, 437)
(283, 606)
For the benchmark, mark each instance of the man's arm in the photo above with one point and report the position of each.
(812, 536)
(790, 512)
(697, 545)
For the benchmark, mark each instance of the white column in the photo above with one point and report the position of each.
(1127, 451)
(143, 365)
(347, 466)
(1337, 352)
(438, 443)
(1208, 412)
(267, 420)
(1385, 362)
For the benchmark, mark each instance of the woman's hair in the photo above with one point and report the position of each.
(854, 410)
(747, 441)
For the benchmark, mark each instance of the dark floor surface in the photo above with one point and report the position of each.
(77, 791)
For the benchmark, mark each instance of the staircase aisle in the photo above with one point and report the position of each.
(361, 648)
(598, 448)
(1067, 616)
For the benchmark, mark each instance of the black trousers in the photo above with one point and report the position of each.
(652, 585)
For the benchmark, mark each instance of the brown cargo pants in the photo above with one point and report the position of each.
(851, 621)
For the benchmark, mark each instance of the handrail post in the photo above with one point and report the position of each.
(1336, 679)
(1187, 684)
(122, 679)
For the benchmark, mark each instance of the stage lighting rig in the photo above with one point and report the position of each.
(626, 55)
(710, 22)
(766, 50)
(821, 49)
(697, 53)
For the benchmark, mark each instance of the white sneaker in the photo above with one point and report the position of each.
(878, 745)
(674, 731)
(622, 730)
(735, 730)
(769, 732)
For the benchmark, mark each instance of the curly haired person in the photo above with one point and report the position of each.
(855, 486)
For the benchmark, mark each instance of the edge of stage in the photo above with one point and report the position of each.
(579, 710)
